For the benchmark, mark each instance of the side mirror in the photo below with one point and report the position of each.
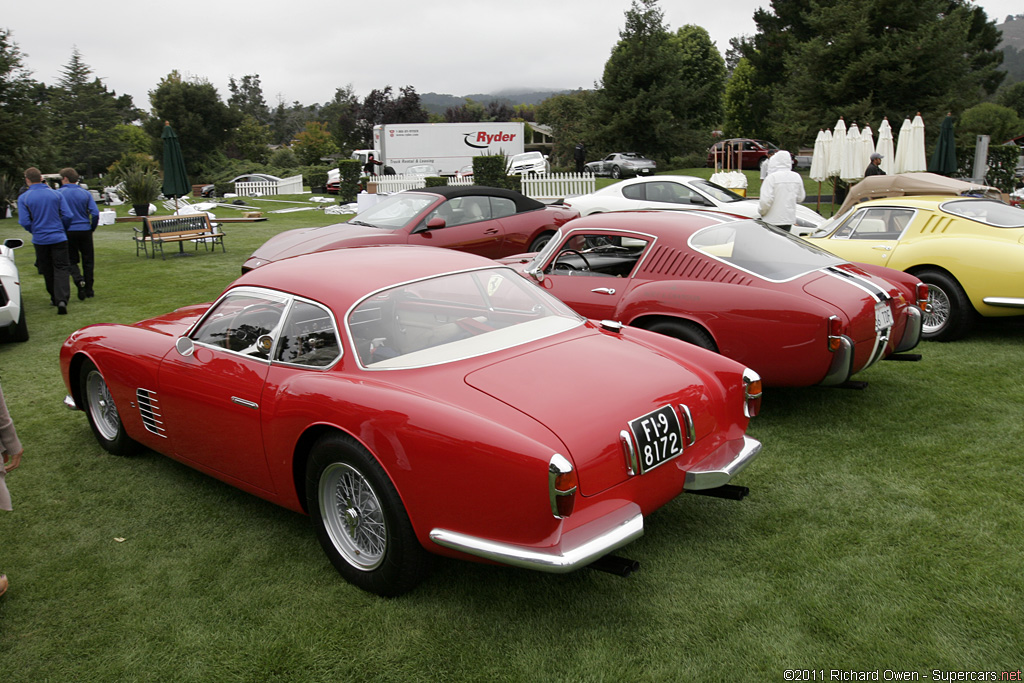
(536, 273)
(185, 346)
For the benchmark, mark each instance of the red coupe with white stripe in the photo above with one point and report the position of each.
(792, 312)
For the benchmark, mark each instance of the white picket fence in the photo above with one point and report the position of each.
(290, 185)
(552, 186)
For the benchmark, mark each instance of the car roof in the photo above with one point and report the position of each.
(522, 202)
(340, 277)
(673, 225)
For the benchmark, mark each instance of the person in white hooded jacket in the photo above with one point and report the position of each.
(781, 191)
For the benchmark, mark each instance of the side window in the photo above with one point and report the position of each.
(502, 207)
(445, 211)
(881, 224)
(637, 191)
(598, 255)
(244, 322)
(672, 193)
(475, 209)
(309, 337)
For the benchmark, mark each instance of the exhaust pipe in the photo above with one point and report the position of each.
(728, 491)
(613, 564)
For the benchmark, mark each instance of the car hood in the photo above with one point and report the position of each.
(307, 240)
(588, 411)
(749, 209)
(176, 323)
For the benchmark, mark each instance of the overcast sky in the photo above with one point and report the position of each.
(303, 52)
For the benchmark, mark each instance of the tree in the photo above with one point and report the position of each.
(88, 137)
(745, 103)
(203, 122)
(381, 107)
(342, 117)
(988, 118)
(251, 140)
(1013, 97)
(22, 122)
(574, 119)
(313, 143)
(865, 59)
(247, 98)
(661, 92)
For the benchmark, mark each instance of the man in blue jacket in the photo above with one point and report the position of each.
(85, 216)
(46, 215)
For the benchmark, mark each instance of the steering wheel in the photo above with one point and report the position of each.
(246, 328)
(569, 266)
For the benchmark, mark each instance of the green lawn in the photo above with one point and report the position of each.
(883, 531)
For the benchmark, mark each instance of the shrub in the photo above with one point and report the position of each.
(436, 181)
(349, 171)
(283, 158)
(490, 172)
(139, 184)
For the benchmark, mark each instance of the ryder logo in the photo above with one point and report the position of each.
(482, 140)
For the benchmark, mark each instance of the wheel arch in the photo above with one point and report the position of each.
(926, 267)
(648, 320)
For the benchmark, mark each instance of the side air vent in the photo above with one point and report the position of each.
(673, 263)
(149, 410)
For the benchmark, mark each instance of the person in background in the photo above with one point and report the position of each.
(781, 191)
(875, 166)
(579, 154)
(46, 215)
(85, 216)
(10, 457)
(369, 168)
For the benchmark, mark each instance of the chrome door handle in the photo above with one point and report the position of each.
(603, 290)
(881, 247)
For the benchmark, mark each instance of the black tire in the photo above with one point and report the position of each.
(102, 413)
(19, 332)
(686, 331)
(616, 172)
(541, 241)
(370, 541)
(950, 313)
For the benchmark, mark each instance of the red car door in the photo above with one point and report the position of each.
(468, 226)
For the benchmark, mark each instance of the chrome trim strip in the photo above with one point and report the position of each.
(632, 466)
(558, 465)
(69, 402)
(720, 467)
(1005, 301)
(612, 532)
(245, 404)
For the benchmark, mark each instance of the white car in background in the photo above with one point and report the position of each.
(680, 192)
(528, 163)
(12, 310)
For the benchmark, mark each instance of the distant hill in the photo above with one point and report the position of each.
(1012, 46)
(437, 103)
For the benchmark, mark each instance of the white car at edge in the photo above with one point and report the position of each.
(12, 311)
(679, 192)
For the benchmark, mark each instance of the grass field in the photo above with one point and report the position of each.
(883, 532)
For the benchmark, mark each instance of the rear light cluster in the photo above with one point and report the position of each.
(751, 393)
(562, 486)
(835, 333)
(922, 296)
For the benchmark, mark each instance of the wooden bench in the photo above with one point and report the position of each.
(156, 230)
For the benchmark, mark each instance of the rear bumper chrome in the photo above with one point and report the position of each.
(912, 331)
(576, 549)
(721, 466)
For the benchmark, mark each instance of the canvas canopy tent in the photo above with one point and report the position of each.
(904, 184)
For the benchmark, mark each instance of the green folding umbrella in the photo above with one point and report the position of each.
(175, 179)
(943, 160)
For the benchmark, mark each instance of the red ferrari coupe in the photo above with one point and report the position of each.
(488, 221)
(792, 312)
(414, 401)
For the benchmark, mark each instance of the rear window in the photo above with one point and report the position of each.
(986, 211)
(764, 251)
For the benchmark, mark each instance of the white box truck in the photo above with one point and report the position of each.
(448, 147)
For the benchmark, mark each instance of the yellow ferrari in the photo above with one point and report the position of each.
(969, 251)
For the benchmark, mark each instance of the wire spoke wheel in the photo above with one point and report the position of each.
(937, 315)
(353, 516)
(101, 406)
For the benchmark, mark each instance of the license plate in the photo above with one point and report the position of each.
(883, 317)
(658, 437)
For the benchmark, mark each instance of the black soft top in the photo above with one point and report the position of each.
(522, 202)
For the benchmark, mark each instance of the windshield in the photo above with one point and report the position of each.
(762, 250)
(453, 317)
(996, 214)
(396, 211)
(528, 156)
(717, 192)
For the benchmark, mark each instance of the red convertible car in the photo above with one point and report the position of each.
(488, 221)
(415, 401)
(795, 314)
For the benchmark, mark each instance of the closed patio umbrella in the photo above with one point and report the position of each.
(819, 162)
(175, 179)
(943, 160)
(837, 149)
(852, 170)
(902, 146)
(917, 158)
(885, 147)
